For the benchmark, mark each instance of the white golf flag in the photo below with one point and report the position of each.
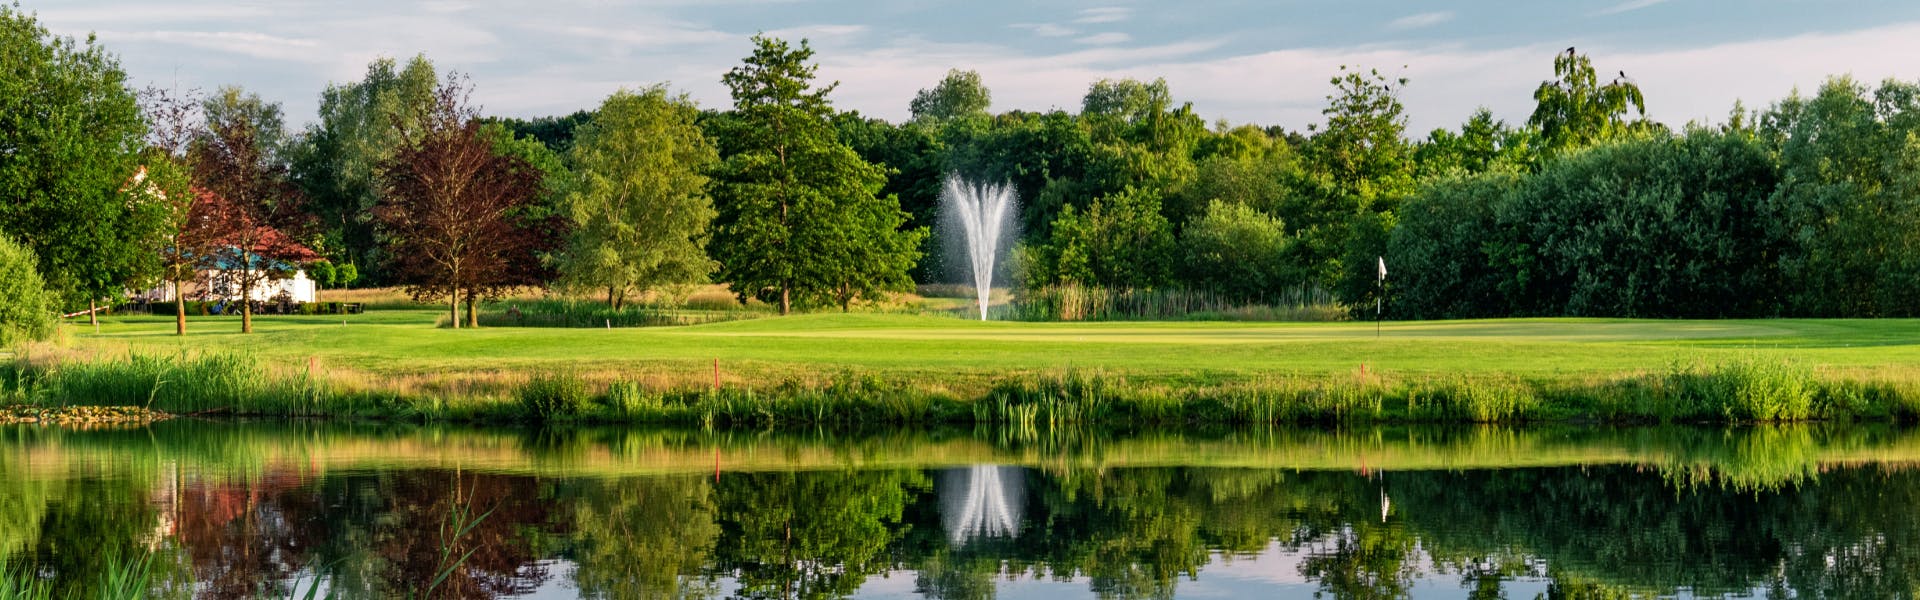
(1383, 268)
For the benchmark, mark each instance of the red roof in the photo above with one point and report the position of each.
(267, 241)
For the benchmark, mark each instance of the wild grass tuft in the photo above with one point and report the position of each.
(18, 584)
(588, 315)
(554, 397)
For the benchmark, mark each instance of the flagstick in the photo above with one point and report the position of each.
(1380, 298)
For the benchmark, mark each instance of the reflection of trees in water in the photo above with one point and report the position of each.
(810, 535)
(368, 535)
(89, 524)
(643, 538)
(1130, 533)
(506, 546)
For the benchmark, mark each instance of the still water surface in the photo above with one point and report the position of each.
(244, 511)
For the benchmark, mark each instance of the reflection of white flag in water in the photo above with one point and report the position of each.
(1383, 267)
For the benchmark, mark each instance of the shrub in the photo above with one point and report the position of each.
(554, 397)
(1239, 252)
(26, 309)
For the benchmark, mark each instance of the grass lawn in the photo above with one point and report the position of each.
(398, 343)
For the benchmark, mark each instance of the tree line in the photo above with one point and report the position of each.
(1588, 208)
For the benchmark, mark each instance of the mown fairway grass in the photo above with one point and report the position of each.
(406, 343)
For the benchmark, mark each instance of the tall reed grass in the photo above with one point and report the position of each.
(187, 383)
(1080, 303)
(577, 314)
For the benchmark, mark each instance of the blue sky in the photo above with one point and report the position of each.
(1263, 62)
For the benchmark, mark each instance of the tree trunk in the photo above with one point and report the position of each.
(473, 314)
(846, 297)
(786, 300)
(179, 310)
(246, 288)
(93, 313)
(453, 308)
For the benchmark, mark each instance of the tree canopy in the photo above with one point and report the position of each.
(638, 203)
(799, 219)
(71, 136)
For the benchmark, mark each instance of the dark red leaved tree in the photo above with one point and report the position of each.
(455, 209)
(245, 212)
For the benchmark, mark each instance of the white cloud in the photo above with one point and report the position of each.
(1044, 29)
(648, 36)
(1630, 6)
(1419, 21)
(818, 33)
(1106, 39)
(248, 43)
(1110, 14)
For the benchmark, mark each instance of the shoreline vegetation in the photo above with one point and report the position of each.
(232, 384)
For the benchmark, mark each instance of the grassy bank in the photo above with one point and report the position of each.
(888, 368)
(230, 384)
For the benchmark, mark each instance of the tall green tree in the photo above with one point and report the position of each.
(71, 133)
(912, 156)
(1575, 110)
(799, 219)
(960, 94)
(639, 204)
(360, 125)
(1359, 167)
(1656, 228)
(1848, 203)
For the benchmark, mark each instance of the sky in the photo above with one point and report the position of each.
(1242, 61)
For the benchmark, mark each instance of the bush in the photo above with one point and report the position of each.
(1121, 241)
(26, 309)
(1647, 228)
(555, 397)
(1442, 253)
(1239, 252)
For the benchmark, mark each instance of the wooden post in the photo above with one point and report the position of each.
(716, 374)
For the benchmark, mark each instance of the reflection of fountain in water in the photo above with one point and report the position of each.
(981, 501)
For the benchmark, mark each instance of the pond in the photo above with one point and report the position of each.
(238, 510)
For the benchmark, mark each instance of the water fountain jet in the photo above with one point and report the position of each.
(981, 213)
